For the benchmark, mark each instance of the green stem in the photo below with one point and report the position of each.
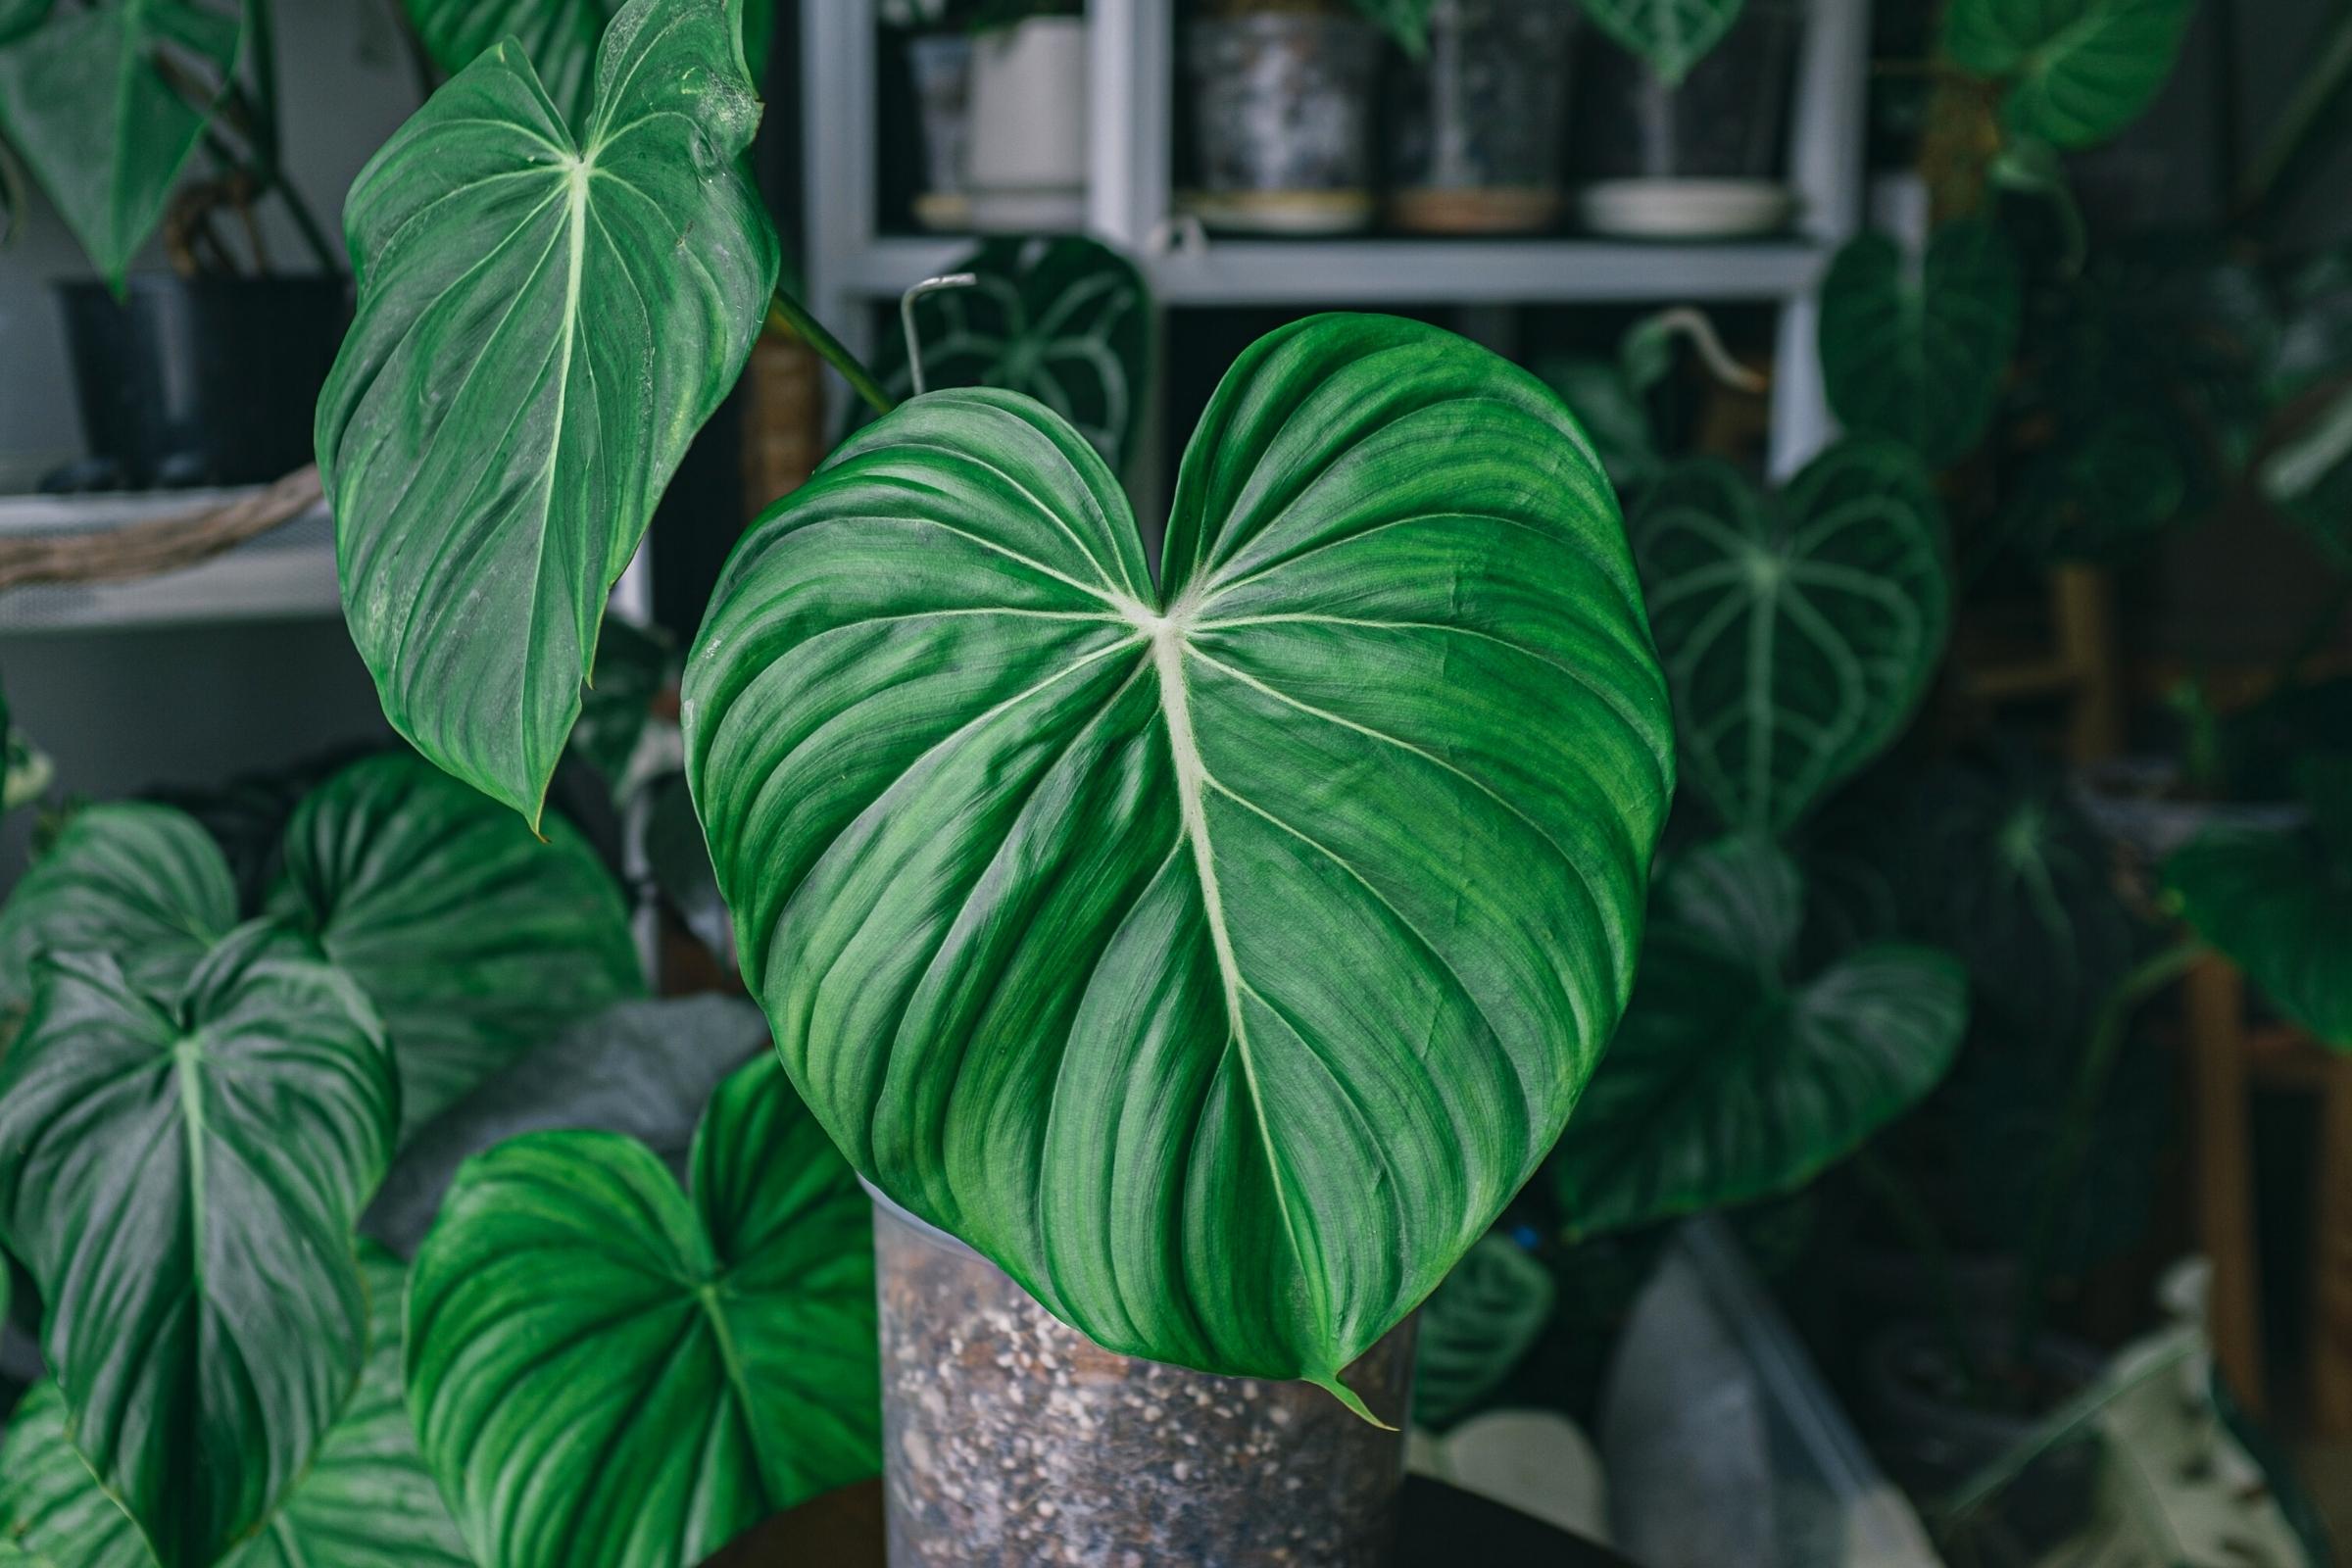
(786, 313)
(265, 155)
(2286, 156)
(306, 223)
(1909, 1212)
(2065, 1167)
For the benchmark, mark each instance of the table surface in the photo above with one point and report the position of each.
(1442, 1526)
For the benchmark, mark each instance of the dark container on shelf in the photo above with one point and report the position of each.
(201, 380)
(1478, 124)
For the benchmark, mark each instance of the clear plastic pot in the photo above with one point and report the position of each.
(1284, 106)
(942, 67)
(1724, 120)
(1478, 124)
(1009, 1438)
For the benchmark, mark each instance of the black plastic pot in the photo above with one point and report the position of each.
(201, 381)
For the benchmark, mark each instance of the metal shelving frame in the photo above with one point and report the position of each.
(852, 264)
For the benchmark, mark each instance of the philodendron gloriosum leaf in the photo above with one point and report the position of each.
(143, 884)
(1799, 629)
(85, 100)
(1673, 36)
(475, 941)
(1217, 957)
(366, 1501)
(557, 36)
(180, 1176)
(2279, 905)
(543, 323)
(2075, 71)
(1477, 1326)
(704, 1362)
(1067, 320)
(1730, 1081)
(1918, 356)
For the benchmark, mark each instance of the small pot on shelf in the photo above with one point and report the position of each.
(1283, 99)
(1694, 158)
(1025, 159)
(1006, 1434)
(201, 380)
(941, 63)
(1479, 121)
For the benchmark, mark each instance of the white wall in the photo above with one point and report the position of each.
(119, 710)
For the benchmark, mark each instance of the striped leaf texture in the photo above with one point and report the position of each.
(544, 321)
(1673, 36)
(476, 941)
(367, 1500)
(2077, 71)
(1799, 629)
(144, 884)
(1918, 354)
(557, 36)
(180, 1176)
(1218, 956)
(1732, 1080)
(605, 1373)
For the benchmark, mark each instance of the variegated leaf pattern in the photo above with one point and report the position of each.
(2077, 72)
(1918, 354)
(1673, 36)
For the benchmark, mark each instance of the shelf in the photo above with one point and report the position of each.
(286, 575)
(1411, 271)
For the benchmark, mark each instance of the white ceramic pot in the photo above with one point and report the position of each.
(1025, 164)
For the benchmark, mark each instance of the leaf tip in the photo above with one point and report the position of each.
(1329, 1383)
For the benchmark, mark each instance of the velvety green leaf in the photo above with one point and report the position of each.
(51, 1506)
(544, 322)
(1730, 1082)
(1477, 1326)
(20, 16)
(1673, 36)
(703, 1364)
(142, 884)
(1066, 320)
(1799, 629)
(2012, 878)
(2279, 905)
(2077, 71)
(180, 1178)
(367, 1500)
(84, 99)
(557, 36)
(1919, 357)
(1219, 959)
(476, 941)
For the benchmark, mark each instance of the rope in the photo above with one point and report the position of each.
(159, 545)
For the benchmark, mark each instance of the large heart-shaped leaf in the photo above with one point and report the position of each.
(559, 37)
(1673, 36)
(1919, 358)
(141, 883)
(1798, 630)
(180, 1178)
(367, 1500)
(2014, 879)
(702, 1363)
(1219, 959)
(2279, 905)
(475, 941)
(107, 102)
(1727, 1081)
(543, 323)
(2077, 71)
(1066, 320)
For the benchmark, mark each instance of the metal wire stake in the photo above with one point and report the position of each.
(929, 285)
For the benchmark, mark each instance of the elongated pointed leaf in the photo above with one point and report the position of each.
(703, 1364)
(1067, 320)
(367, 1500)
(1799, 629)
(544, 322)
(1727, 1083)
(1919, 359)
(2077, 71)
(106, 103)
(1217, 959)
(1673, 36)
(181, 1180)
(143, 884)
(474, 940)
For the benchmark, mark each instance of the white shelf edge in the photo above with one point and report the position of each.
(1410, 271)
